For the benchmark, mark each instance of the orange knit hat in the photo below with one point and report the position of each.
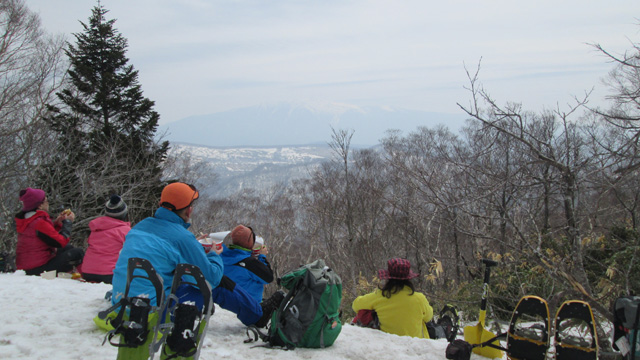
(178, 196)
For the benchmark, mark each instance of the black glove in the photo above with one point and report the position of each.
(66, 228)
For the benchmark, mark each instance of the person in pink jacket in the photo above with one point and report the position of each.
(105, 241)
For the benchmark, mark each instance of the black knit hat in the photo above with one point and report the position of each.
(116, 207)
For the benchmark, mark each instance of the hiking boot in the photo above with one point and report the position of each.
(268, 307)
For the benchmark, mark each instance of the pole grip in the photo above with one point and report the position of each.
(489, 263)
(485, 286)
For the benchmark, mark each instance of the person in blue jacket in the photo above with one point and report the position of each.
(252, 273)
(165, 241)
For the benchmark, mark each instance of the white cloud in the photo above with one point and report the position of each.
(200, 57)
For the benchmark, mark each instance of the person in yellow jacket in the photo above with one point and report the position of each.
(400, 309)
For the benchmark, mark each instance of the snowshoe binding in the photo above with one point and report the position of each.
(188, 322)
(137, 320)
(447, 324)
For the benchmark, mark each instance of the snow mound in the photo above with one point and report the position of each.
(52, 319)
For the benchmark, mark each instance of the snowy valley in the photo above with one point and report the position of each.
(257, 168)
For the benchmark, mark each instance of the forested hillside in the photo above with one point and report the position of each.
(551, 194)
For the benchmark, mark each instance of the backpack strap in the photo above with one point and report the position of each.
(273, 331)
(489, 343)
(325, 315)
(257, 267)
(254, 333)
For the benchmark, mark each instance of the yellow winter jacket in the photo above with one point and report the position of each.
(403, 314)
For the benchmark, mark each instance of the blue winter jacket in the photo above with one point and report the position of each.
(165, 241)
(252, 274)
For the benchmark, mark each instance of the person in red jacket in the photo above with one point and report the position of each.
(43, 244)
(105, 241)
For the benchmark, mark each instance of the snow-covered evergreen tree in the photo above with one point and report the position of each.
(105, 129)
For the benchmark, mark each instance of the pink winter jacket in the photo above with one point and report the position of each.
(105, 243)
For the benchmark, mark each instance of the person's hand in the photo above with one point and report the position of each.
(213, 248)
(59, 219)
(70, 216)
(263, 250)
(65, 215)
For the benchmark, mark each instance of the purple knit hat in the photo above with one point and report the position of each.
(399, 269)
(31, 198)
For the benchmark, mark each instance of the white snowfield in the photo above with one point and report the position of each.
(52, 319)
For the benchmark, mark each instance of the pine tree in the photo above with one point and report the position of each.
(105, 129)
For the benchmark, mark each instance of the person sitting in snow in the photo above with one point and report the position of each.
(400, 309)
(165, 241)
(43, 244)
(251, 272)
(105, 241)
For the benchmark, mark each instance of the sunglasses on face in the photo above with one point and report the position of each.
(195, 191)
(253, 234)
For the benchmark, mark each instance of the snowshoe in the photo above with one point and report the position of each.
(576, 337)
(528, 334)
(449, 321)
(188, 322)
(137, 320)
(446, 325)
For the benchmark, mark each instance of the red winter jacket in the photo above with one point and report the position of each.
(38, 239)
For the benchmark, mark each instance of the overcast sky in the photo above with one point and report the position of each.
(204, 56)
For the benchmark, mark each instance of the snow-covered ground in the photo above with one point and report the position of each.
(52, 319)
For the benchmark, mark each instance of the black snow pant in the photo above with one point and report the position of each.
(64, 261)
(95, 278)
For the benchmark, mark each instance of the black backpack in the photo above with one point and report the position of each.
(625, 326)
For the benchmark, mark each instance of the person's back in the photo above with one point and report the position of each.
(400, 309)
(105, 241)
(402, 314)
(32, 252)
(165, 241)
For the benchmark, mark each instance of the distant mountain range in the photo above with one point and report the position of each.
(300, 124)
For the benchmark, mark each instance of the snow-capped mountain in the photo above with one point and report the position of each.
(300, 124)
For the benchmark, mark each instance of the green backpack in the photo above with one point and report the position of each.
(309, 314)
